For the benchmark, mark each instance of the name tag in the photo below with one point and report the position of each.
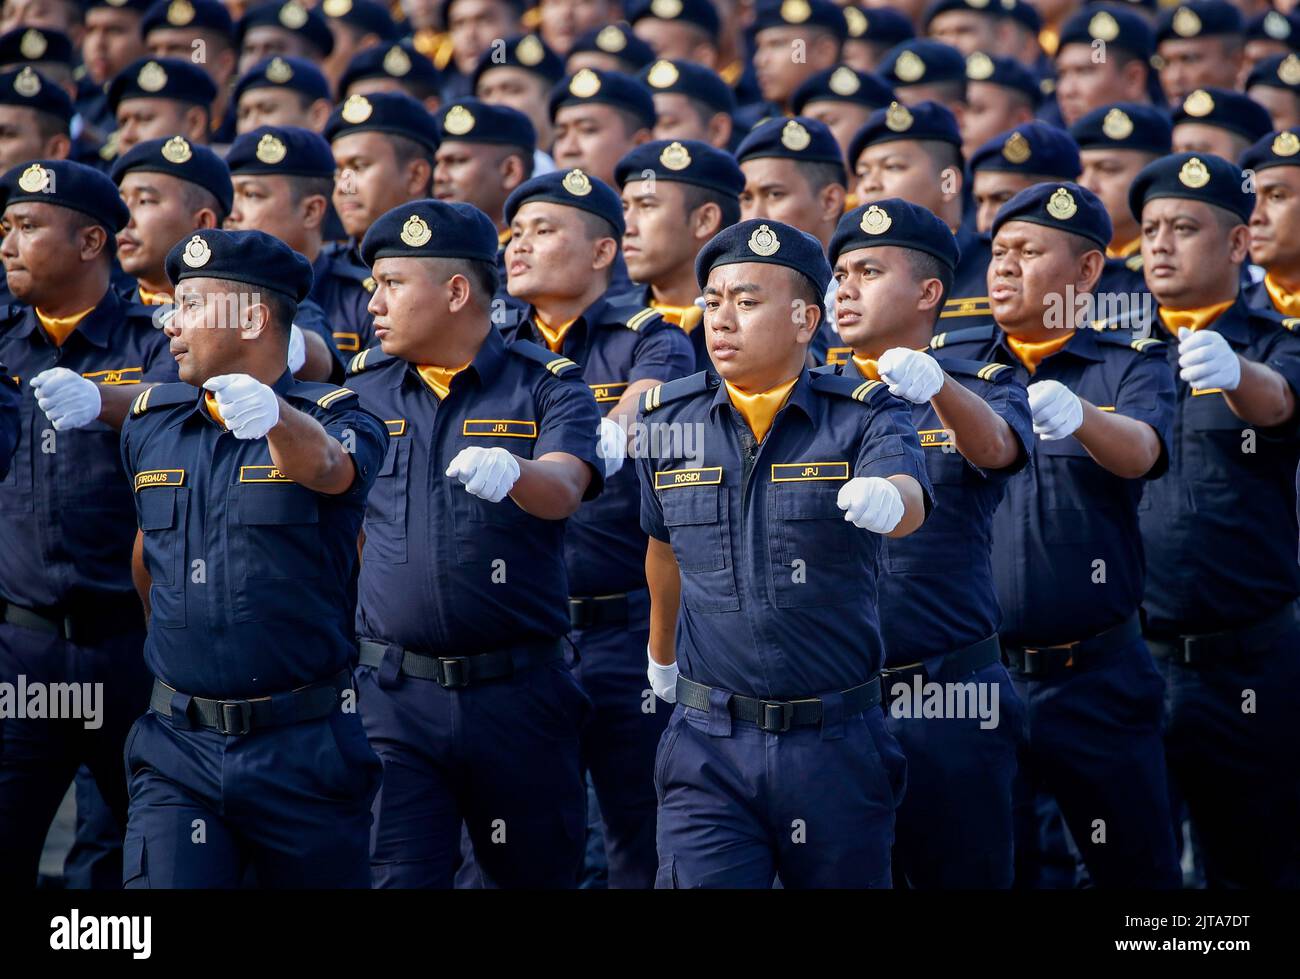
(609, 391)
(159, 477)
(262, 474)
(838, 355)
(500, 427)
(800, 472)
(934, 438)
(120, 375)
(670, 478)
(1197, 392)
(396, 426)
(347, 341)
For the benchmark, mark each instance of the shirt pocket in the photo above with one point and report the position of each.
(696, 518)
(1073, 490)
(814, 558)
(161, 511)
(89, 463)
(1214, 443)
(386, 507)
(274, 533)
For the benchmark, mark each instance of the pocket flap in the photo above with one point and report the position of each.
(157, 508)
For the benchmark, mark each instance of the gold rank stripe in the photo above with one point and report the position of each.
(1104, 407)
(347, 342)
(861, 392)
(333, 396)
(933, 438)
(141, 403)
(396, 426)
(802, 472)
(970, 306)
(609, 390)
(990, 371)
(838, 355)
(262, 474)
(358, 363)
(120, 375)
(516, 428)
(559, 364)
(1144, 342)
(639, 320)
(159, 477)
(652, 397)
(672, 478)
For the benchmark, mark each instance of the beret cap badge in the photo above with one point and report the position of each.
(293, 15)
(843, 81)
(1103, 26)
(666, 9)
(152, 77)
(176, 150)
(1061, 205)
(1186, 23)
(278, 71)
(180, 13)
(1194, 174)
(876, 220)
(794, 136)
(585, 84)
(416, 232)
(530, 51)
(27, 83)
(909, 67)
(675, 156)
(1016, 149)
(1117, 124)
(196, 253)
(33, 44)
(270, 150)
(611, 39)
(795, 11)
(458, 121)
(357, 109)
(576, 183)
(1286, 144)
(979, 66)
(34, 179)
(397, 62)
(764, 241)
(1199, 103)
(898, 118)
(1289, 70)
(663, 74)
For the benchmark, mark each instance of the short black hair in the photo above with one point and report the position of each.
(49, 125)
(405, 150)
(810, 295)
(300, 187)
(632, 123)
(197, 198)
(820, 174)
(942, 154)
(483, 277)
(926, 266)
(283, 309)
(694, 197)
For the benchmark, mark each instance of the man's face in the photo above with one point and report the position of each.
(775, 189)
(864, 55)
(843, 119)
(965, 30)
(591, 136)
(992, 189)
(139, 120)
(159, 219)
(779, 74)
(752, 322)
(1109, 174)
(676, 118)
(421, 14)
(1030, 267)
(563, 20)
(473, 24)
(550, 253)
(875, 286)
(40, 250)
(470, 173)
(204, 339)
(1283, 108)
(1083, 84)
(671, 39)
(112, 42)
(1192, 63)
(900, 168)
(1275, 224)
(406, 304)
(51, 15)
(1197, 137)
(265, 203)
(180, 42)
(270, 107)
(654, 243)
(990, 109)
(1181, 241)
(20, 136)
(268, 40)
(347, 42)
(521, 90)
(367, 180)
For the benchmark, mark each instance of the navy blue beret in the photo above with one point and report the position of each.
(526, 51)
(843, 84)
(921, 61)
(1276, 71)
(398, 60)
(1272, 26)
(924, 121)
(1111, 24)
(687, 161)
(1199, 18)
(801, 139)
(289, 16)
(431, 229)
(995, 69)
(179, 158)
(571, 188)
(297, 74)
(822, 14)
(63, 183)
(692, 80)
(1278, 149)
(284, 150)
(472, 121)
(33, 45)
(250, 257)
(895, 221)
(138, 6)
(937, 7)
(366, 16)
(617, 41)
(208, 15)
(29, 89)
(162, 78)
(1064, 206)
(1030, 148)
(881, 25)
(607, 88)
(701, 13)
(394, 113)
(1225, 109)
(1023, 14)
(769, 242)
(1124, 126)
(1196, 177)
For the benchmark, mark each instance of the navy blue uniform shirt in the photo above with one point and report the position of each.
(342, 288)
(253, 589)
(778, 590)
(10, 419)
(443, 571)
(67, 522)
(967, 304)
(1067, 513)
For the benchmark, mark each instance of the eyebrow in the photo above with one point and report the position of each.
(738, 287)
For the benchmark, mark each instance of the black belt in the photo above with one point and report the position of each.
(1044, 661)
(455, 672)
(955, 664)
(586, 613)
(86, 627)
(776, 716)
(1210, 646)
(242, 716)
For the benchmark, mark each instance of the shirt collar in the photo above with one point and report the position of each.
(486, 365)
(1083, 346)
(95, 329)
(801, 395)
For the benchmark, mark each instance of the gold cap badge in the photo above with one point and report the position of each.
(33, 45)
(1016, 149)
(278, 71)
(1285, 143)
(979, 66)
(357, 109)
(34, 179)
(1061, 205)
(675, 156)
(270, 150)
(1117, 124)
(794, 136)
(529, 51)
(898, 118)
(909, 67)
(576, 183)
(585, 84)
(843, 81)
(666, 9)
(1103, 27)
(1185, 22)
(180, 13)
(662, 75)
(336, 8)
(1289, 70)
(458, 121)
(764, 241)
(1199, 103)
(1194, 174)
(196, 253)
(293, 15)
(152, 77)
(795, 11)
(876, 220)
(27, 83)
(415, 232)
(397, 62)
(857, 21)
(176, 150)
(1276, 26)
(611, 40)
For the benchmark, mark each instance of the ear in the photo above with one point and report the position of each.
(825, 52)
(831, 199)
(195, 122)
(94, 239)
(705, 54)
(206, 218)
(705, 221)
(931, 293)
(224, 64)
(642, 136)
(810, 319)
(719, 130)
(951, 177)
(57, 147)
(1091, 265)
(1133, 79)
(1239, 244)
(459, 293)
(511, 170)
(318, 113)
(419, 173)
(604, 251)
(312, 211)
(255, 319)
(433, 104)
(958, 110)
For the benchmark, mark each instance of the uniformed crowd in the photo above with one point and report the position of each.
(695, 443)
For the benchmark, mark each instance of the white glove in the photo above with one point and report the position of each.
(68, 399)
(297, 349)
(1206, 361)
(663, 679)
(249, 408)
(912, 375)
(872, 503)
(1056, 409)
(487, 473)
(612, 446)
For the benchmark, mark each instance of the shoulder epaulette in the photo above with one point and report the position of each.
(984, 370)
(368, 359)
(164, 396)
(848, 387)
(641, 318)
(675, 390)
(1134, 262)
(966, 335)
(557, 364)
(1291, 323)
(1147, 345)
(321, 395)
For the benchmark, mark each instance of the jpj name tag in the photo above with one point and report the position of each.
(262, 474)
(798, 472)
(500, 427)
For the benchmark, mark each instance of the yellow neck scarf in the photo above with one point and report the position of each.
(868, 367)
(438, 378)
(60, 328)
(503, 238)
(1049, 40)
(554, 335)
(1124, 251)
(210, 400)
(687, 317)
(1194, 319)
(153, 298)
(759, 410)
(1285, 301)
(1032, 353)
(850, 202)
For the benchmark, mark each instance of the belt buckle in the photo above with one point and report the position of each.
(777, 716)
(580, 613)
(240, 711)
(1032, 653)
(453, 672)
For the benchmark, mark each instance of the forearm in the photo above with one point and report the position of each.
(140, 576)
(979, 433)
(913, 505)
(552, 486)
(1119, 444)
(1263, 397)
(115, 402)
(624, 412)
(665, 584)
(303, 451)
